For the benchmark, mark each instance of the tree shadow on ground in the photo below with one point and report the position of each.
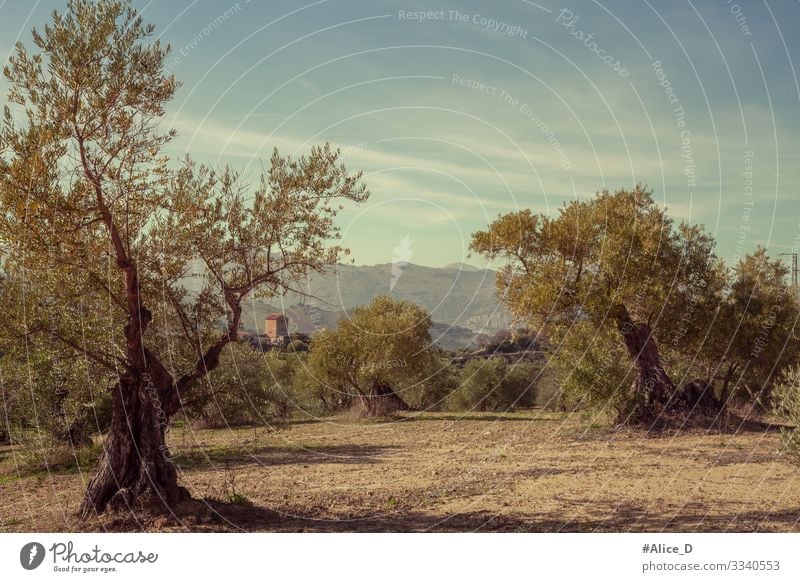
(484, 417)
(698, 424)
(312, 455)
(691, 517)
(213, 515)
(739, 424)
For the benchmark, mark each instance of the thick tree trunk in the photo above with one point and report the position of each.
(654, 390)
(135, 468)
(381, 400)
(135, 465)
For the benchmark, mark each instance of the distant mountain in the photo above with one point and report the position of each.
(460, 267)
(460, 298)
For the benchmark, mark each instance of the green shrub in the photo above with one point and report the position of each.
(595, 373)
(48, 455)
(493, 384)
(786, 404)
(248, 387)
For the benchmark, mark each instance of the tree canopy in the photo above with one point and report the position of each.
(379, 350)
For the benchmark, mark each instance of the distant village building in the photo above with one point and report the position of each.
(276, 327)
(276, 335)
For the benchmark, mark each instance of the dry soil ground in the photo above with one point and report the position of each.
(445, 472)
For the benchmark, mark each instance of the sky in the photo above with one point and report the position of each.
(457, 112)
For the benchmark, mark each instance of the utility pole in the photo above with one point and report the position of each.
(794, 267)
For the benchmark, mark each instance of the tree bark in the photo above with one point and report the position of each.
(655, 392)
(135, 468)
(381, 400)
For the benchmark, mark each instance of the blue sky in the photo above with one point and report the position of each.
(482, 108)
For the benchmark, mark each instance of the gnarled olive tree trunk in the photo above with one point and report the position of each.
(656, 395)
(135, 468)
(655, 392)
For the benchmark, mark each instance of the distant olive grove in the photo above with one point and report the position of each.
(363, 367)
(381, 361)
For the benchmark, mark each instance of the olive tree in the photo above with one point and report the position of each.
(760, 339)
(376, 352)
(155, 260)
(616, 260)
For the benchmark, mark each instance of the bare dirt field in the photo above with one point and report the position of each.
(524, 472)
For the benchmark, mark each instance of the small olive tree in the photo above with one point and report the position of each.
(373, 354)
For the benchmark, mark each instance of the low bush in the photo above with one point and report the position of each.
(494, 385)
(786, 405)
(248, 387)
(595, 374)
